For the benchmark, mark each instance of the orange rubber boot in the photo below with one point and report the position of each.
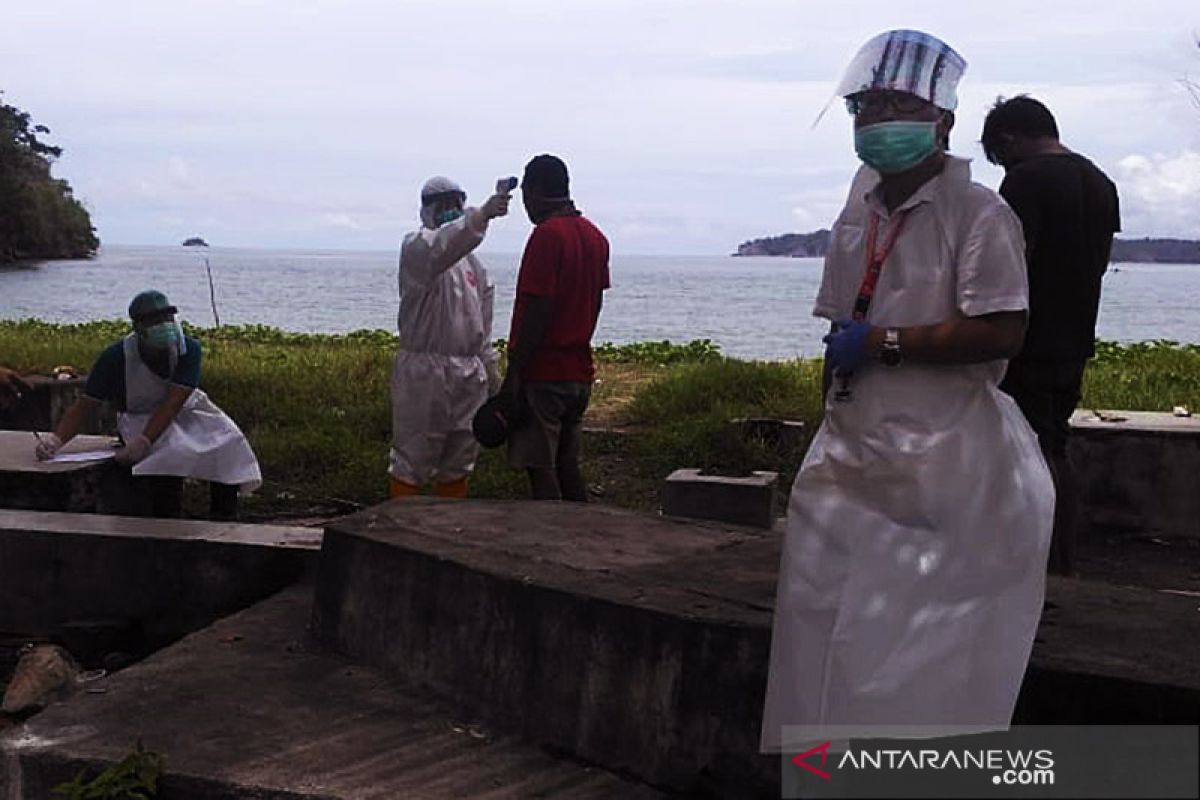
(399, 488)
(456, 489)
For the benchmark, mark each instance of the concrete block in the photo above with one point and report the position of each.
(1137, 472)
(28, 483)
(103, 582)
(748, 500)
(582, 628)
(641, 643)
(251, 709)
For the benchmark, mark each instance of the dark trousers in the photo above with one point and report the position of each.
(1047, 392)
(161, 496)
(548, 439)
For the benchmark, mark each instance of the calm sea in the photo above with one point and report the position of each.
(752, 307)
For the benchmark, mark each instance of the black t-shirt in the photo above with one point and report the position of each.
(1069, 210)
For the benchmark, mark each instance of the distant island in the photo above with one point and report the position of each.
(195, 241)
(1133, 251)
(1156, 251)
(796, 245)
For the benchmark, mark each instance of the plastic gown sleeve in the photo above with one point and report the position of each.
(487, 352)
(427, 254)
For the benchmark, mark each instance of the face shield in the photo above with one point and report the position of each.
(434, 193)
(906, 61)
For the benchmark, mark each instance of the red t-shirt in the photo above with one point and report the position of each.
(566, 259)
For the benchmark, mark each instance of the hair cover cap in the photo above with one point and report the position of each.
(906, 61)
(439, 184)
(149, 302)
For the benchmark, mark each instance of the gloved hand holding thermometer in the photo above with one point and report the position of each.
(497, 204)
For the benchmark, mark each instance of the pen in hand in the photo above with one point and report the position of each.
(46, 447)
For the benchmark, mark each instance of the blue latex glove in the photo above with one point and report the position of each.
(846, 347)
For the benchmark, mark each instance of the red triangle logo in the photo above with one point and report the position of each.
(800, 761)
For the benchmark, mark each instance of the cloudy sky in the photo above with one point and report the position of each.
(688, 125)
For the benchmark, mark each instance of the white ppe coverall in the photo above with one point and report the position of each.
(913, 568)
(446, 362)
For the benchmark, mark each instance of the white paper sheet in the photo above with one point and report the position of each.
(86, 455)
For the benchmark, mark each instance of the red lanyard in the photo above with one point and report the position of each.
(875, 261)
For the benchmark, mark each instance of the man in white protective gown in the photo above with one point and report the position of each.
(913, 569)
(446, 366)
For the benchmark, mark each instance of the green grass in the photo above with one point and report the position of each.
(317, 409)
(684, 416)
(1148, 376)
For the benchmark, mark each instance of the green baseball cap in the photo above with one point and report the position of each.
(149, 302)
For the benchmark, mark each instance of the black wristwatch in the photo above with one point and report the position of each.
(889, 354)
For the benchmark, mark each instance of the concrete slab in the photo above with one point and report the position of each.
(636, 642)
(1139, 472)
(26, 482)
(642, 643)
(249, 709)
(1139, 421)
(1113, 654)
(50, 522)
(16, 453)
(103, 584)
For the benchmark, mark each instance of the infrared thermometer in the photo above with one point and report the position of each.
(506, 185)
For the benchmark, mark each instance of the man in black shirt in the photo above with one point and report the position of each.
(1069, 210)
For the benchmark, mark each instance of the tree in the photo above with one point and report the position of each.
(39, 215)
(1192, 87)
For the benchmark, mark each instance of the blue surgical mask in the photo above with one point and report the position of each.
(449, 215)
(163, 336)
(895, 146)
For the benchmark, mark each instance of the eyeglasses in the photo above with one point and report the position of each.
(880, 102)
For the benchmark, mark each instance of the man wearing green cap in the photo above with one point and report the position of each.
(170, 429)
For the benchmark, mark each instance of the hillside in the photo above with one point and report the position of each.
(40, 218)
(1139, 251)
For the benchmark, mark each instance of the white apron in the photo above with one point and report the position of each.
(202, 442)
(913, 570)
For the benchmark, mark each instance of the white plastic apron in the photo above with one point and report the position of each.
(914, 565)
(202, 442)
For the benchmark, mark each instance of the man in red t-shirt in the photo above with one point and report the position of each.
(560, 288)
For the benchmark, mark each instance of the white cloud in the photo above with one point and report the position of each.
(1161, 193)
(686, 123)
(340, 220)
(180, 172)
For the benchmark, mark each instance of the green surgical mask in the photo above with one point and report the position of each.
(449, 215)
(895, 146)
(163, 336)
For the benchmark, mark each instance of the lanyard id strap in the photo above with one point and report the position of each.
(875, 261)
